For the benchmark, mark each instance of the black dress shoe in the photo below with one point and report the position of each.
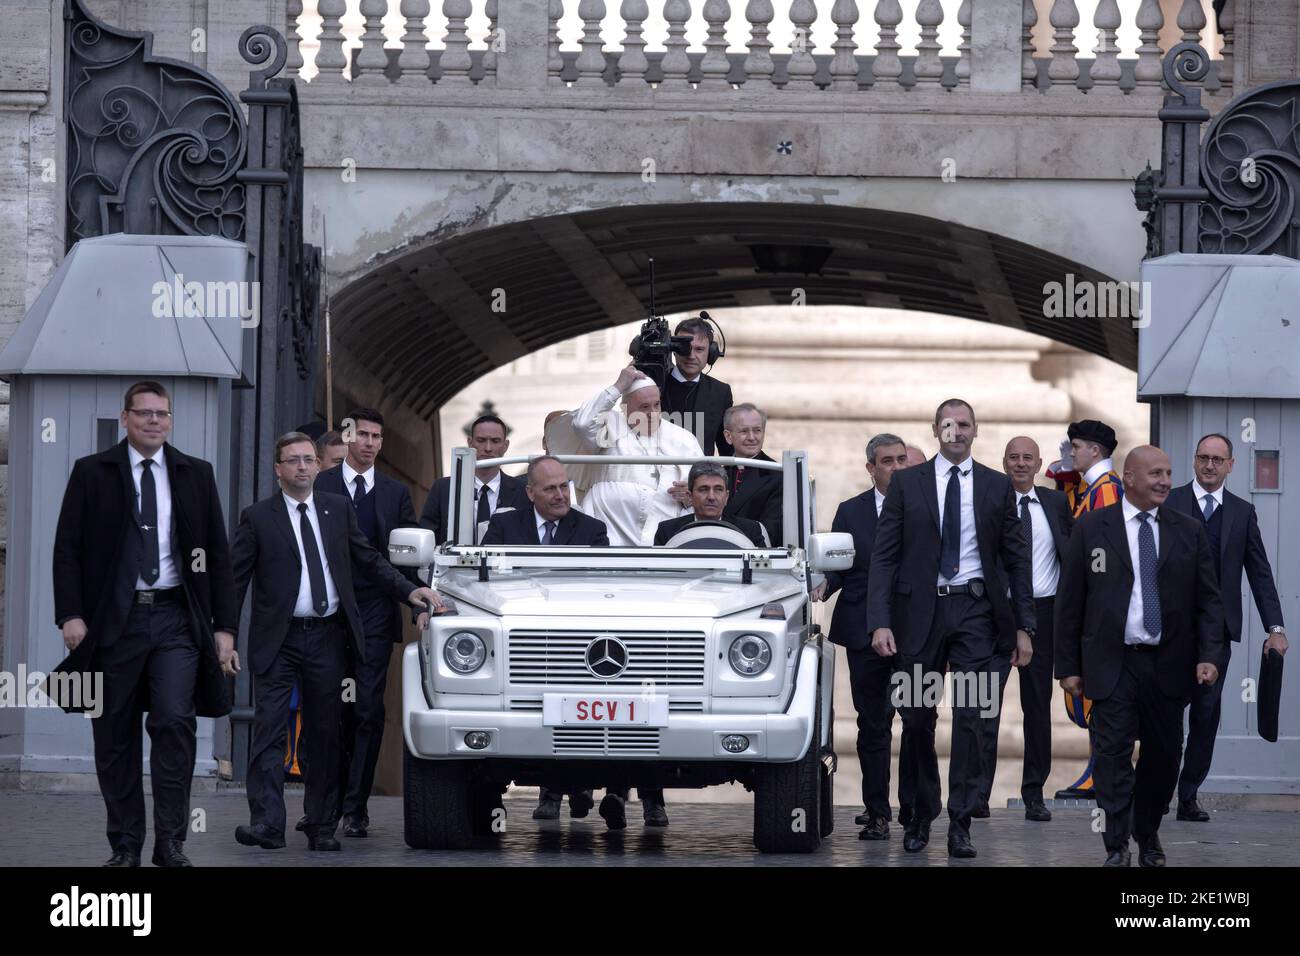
(877, 828)
(356, 827)
(981, 811)
(580, 804)
(1150, 852)
(655, 814)
(259, 835)
(548, 808)
(170, 853)
(916, 837)
(301, 825)
(1037, 812)
(1191, 810)
(613, 809)
(123, 858)
(862, 819)
(322, 841)
(1118, 858)
(959, 844)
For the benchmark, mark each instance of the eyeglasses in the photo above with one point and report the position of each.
(151, 414)
(299, 460)
(1207, 459)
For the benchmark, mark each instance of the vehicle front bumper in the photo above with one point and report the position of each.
(774, 738)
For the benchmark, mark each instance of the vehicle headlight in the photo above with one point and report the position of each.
(750, 655)
(464, 652)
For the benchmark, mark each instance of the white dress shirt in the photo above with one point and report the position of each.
(541, 525)
(168, 576)
(350, 478)
(682, 378)
(1202, 494)
(493, 492)
(1047, 567)
(969, 566)
(880, 502)
(303, 607)
(1135, 631)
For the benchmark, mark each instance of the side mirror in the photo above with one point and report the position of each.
(829, 551)
(411, 547)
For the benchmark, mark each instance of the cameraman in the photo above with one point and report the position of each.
(694, 400)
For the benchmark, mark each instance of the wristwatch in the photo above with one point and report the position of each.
(1277, 629)
(1032, 632)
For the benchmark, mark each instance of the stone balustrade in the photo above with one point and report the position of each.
(994, 46)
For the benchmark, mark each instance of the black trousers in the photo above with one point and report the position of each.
(961, 639)
(1202, 728)
(314, 656)
(155, 659)
(1133, 801)
(363, 721)
(869, 675)
(1036, 704)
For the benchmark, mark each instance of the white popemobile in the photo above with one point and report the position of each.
(687, 665)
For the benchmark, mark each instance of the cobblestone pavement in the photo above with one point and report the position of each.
(67, 829)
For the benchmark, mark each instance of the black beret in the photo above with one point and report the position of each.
(1091, 430)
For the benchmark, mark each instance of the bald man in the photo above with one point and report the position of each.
(1139, 626)
(1045, 517)
(915, 456)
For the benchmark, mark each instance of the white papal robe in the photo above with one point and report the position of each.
(630, 499)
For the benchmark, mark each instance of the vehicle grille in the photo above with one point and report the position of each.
(605, 741)
(662, 658)
(675, 705)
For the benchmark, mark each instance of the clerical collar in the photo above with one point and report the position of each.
(682, 378)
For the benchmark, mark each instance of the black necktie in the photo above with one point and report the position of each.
(549, 536)
(149, 522)
(1150, 586)
(315, 570)
(360, 490)
(484, 506)
(950, 535)
(1027, 520)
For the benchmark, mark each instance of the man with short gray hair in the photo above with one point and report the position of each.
(753, 493)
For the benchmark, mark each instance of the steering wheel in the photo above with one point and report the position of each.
(713, 535)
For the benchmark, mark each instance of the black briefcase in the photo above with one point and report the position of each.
(1270, 693)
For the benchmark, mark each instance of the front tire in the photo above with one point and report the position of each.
(788, 801)
(436, 803)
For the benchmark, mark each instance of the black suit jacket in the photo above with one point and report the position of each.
(905, 561)
(266, 552)
(856, 516)
(393, 509)
(711, 400)
(758, 498)
(1240, 549)
(669, 527)
(520, 527)
(435, 518)
(92, 581)
(1097, 582)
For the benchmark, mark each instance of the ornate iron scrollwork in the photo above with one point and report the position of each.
(154, 144)
(1250, 163)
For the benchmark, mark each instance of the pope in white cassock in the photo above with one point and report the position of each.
(630, 499)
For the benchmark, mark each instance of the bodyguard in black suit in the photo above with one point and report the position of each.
(869, 673)
(949, 550)
(381, 504)
(1046, 519)
(753, 493)
(493, 488)
(1139, 625)
(692, 399)
(298, 548)
(1233, 531)
(141, 582)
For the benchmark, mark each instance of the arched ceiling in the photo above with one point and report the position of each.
(425, 324)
